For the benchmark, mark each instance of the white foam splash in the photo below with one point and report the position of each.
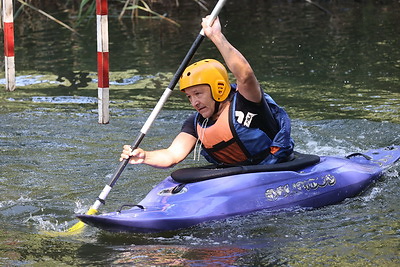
(47, 225)
(21, 200)
(79, 207)
(375, 192)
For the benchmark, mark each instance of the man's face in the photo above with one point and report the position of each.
(200, 98)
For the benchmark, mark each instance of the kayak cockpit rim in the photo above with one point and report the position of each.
(197, 174)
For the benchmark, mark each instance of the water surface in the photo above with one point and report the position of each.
(337, 76)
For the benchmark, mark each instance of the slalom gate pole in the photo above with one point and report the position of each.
(8, 28)
(103, 61)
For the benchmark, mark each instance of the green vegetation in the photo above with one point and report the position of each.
(82, 11)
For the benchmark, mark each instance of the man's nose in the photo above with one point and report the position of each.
(194, 101)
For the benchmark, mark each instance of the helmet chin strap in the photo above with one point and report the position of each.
(218, 104)
(216, 108)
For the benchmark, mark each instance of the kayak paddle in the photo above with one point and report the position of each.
(103, 195)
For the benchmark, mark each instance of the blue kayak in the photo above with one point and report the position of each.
(194, 195)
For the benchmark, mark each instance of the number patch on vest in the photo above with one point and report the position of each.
(244, 120)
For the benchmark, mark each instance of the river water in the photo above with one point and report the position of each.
(336, 75)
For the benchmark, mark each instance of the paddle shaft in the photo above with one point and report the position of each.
(103, 195)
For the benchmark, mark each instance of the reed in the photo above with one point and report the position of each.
(82, 11)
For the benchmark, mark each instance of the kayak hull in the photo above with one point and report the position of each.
(173, 205)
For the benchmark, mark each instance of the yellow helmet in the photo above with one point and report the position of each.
(207, 71)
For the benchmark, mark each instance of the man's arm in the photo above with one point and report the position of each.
(179, 149)
(247, 83)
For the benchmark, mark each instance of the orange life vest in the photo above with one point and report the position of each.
(229, 142)
(219, 141)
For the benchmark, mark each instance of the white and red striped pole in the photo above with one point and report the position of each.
(8, 27)
(102, 60)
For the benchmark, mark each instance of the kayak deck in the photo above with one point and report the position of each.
(175, 204)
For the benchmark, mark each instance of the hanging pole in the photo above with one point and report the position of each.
(102, 61)
(8, 28)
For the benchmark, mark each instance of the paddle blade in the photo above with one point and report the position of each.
(78, 227)
(75, 229)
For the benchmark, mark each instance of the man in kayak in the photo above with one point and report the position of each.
(235, 124)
